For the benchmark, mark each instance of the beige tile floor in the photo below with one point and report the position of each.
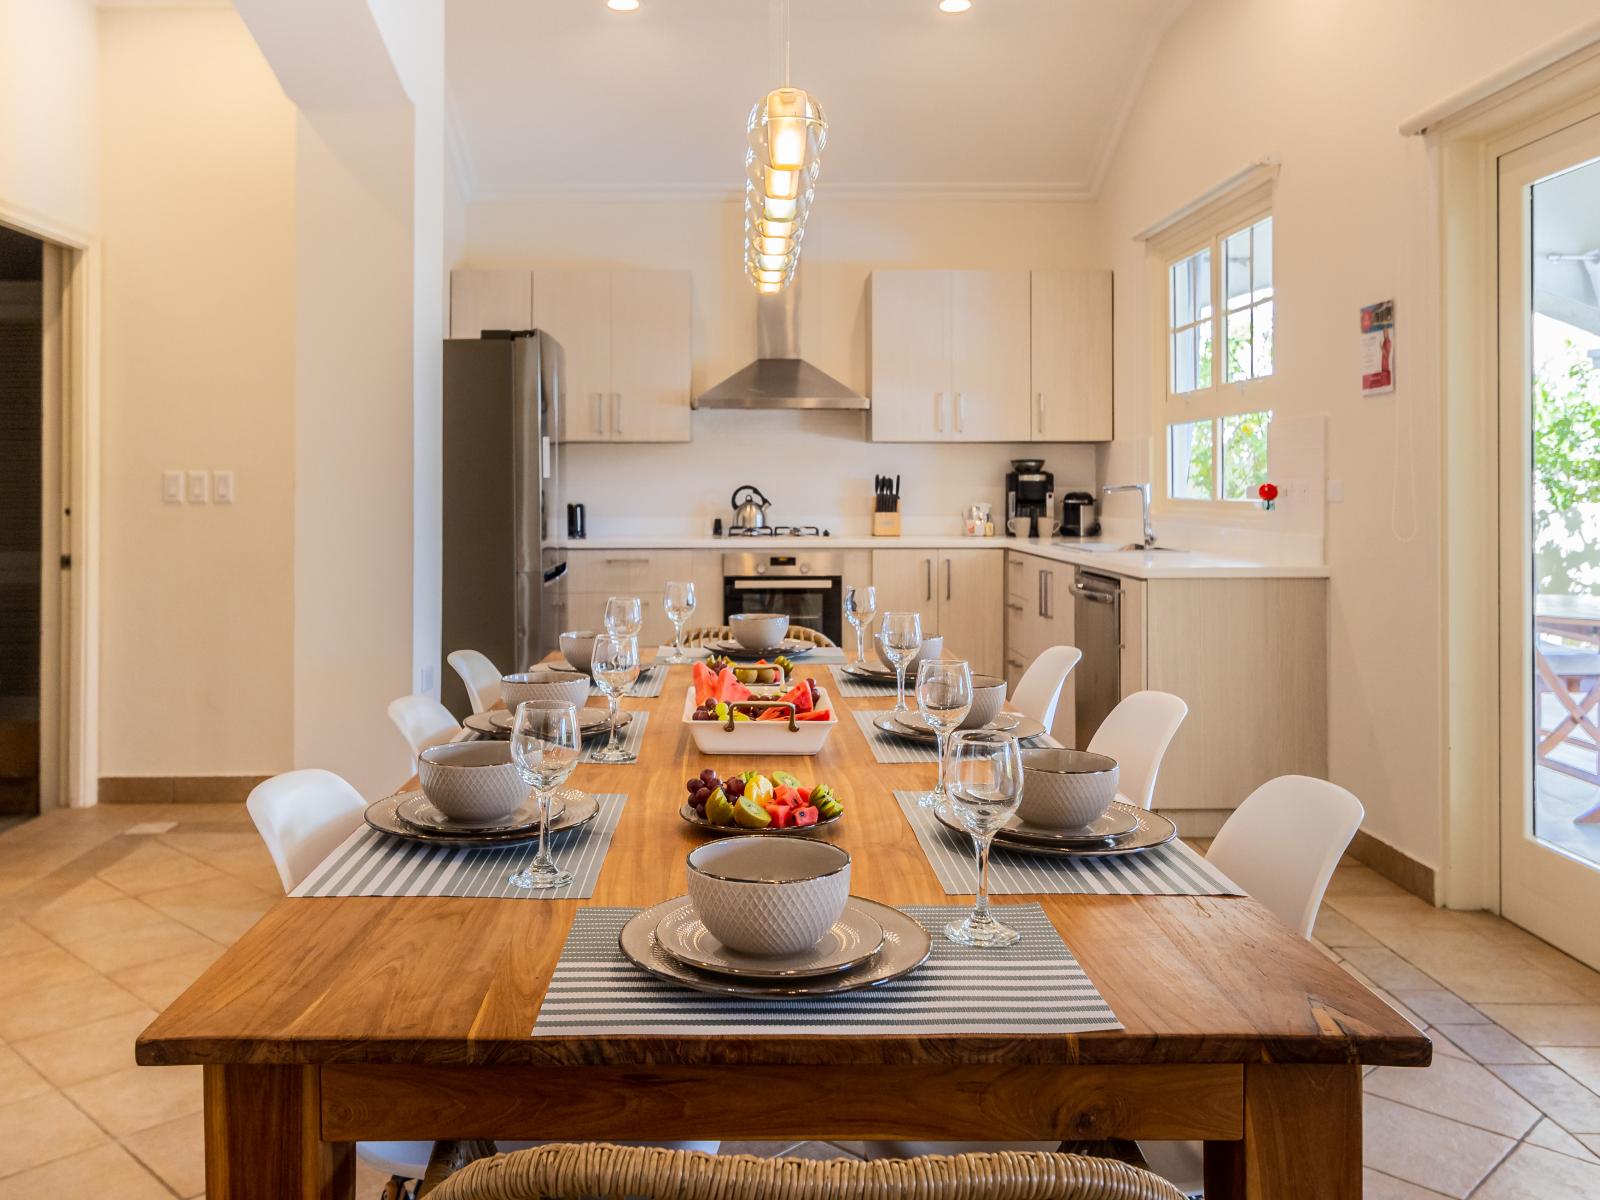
(107, 914)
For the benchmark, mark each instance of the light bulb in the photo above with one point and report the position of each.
(783, 184)
(954, 6)
(769, 289)
(622, 5)
(773, 245)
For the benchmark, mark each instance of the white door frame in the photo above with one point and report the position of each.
(74, 698)
(1542, 888)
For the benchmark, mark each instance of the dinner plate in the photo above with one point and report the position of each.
(906, 946)
(496, 722)
(872, 674)
(1150, 830)
(1023, 730)
(416, 810)
(705, 826)
(854, 938)
(916, 725)
(789, 648)
(579, 808)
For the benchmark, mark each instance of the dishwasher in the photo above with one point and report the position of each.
(1097, 627)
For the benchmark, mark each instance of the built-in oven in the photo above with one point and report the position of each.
(807, 586)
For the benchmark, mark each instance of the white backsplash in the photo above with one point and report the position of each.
(816, 468)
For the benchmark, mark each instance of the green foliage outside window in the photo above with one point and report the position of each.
(1566, 473)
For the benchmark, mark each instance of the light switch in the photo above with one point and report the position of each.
(222, 487)
(172, 487)
(199, 486)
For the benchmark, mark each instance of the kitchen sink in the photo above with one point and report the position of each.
(1147, 549)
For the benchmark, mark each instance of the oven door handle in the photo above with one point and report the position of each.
(781, 585)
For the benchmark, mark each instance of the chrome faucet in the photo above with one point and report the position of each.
(1144, 497)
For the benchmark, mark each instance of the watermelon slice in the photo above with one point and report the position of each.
(800, 696)
(805, 816)
(729, 688)
(782, 815)
(818, 714)
(705, 684)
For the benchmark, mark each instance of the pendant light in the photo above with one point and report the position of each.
(787, 132)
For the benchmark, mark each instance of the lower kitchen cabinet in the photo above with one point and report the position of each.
(958, 593)
(593, 576)
(1038, 616)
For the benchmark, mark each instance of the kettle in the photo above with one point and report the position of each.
(749, 507)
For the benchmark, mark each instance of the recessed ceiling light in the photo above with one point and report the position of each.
(622, 5)
(954, 6)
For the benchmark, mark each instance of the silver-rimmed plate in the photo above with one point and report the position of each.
(906, 946)
(416, 810)
(916, 725)
(496, 722)
(579, 808)
(872, 674)
(705, 826)
(1023, 728)
(1149, 830)
(854, 938)
(789, 648)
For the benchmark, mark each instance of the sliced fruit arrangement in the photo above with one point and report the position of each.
(752, 800)
(718, 695)
(760, 671)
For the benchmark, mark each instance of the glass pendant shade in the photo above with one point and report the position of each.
(787, 132)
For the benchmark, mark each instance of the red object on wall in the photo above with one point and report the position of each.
(1268, 491)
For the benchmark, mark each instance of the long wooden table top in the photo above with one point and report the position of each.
(459, 981)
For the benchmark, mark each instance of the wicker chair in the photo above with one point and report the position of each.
(699, 635)
(801, 633)
(577, 1170)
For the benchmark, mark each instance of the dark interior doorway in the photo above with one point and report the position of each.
(21, 492)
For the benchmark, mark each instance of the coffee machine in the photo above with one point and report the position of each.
(1078, 517)
(1030, 496)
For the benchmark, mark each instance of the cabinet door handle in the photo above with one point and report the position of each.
(625, 561)
(1038, 405)
(938, 412)
(1014, 661)
(1041, 593)
(961, 414)
(927, 578)
(1013, 606)
(598, 413)
(1049, 595)
(947, 579)
(616, 414)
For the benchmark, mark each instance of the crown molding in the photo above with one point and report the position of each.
(952, 192)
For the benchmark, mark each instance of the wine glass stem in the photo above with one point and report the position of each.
(861, 644)
(942, 740)
(677, 638)
(900, 687)
(541, 859)
(980, 903)
(611, 720)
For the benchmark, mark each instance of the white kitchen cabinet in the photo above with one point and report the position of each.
(482, 300)
(1071, 354)
(1039, 615)
(959, 594)
(950, 356)
(593, 576)
(627, 341)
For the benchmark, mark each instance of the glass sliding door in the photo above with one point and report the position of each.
(1550, 537)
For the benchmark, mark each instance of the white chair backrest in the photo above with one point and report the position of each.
(1137, 733)
(480, 675)
(1282, 844)
(1039, 690)
(302, 816)
(422, 721)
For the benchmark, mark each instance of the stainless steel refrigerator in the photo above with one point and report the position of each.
(504, 587)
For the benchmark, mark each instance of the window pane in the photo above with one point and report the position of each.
(1261, 258)
(1236, 250)
(1183, 361)
(1202, 352)
(1244, 454)
(1261, 345)
(1239, 345)
(1189, 460)
(1182, 295)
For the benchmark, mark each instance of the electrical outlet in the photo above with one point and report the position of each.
(222, 487)
(172, 487)
(199, 486)
(425, 680)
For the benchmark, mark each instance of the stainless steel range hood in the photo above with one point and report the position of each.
(779, 377)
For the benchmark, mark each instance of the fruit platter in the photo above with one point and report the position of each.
(757, 802)
(728, 716)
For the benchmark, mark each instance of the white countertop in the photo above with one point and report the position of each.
(1135, 564)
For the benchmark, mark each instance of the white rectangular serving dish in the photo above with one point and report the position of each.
(761, 737)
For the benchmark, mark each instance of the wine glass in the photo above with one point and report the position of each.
(944, 697)
(615, 666)
(545, 745)
(678, 604)
(624, 616)
(902, 638)
(860, 606)
(985, 784)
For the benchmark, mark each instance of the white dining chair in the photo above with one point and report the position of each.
(1282, 844)
(1039, 690)
(302, 816)
(481, 677)
(1137, 733)
(423, 722)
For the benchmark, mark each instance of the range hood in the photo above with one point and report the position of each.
(779, 377)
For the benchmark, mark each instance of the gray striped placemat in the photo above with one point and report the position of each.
(1035, 986)
(853, 688)
(630, 737)
(370, 863)
(887, 748)
(1170, 870)
(645, 687)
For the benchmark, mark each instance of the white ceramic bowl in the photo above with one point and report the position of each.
(761, 738)
(988, 696)
(931, 648)
(1066, 789)
(577, 647)
(548, 684)
(471, 781)
(764, 895)
(758, 631)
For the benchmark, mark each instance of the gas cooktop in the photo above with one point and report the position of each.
(742, 531)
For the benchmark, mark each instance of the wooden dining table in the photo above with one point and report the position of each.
(337, 1020)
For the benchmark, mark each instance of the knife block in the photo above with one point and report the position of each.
(886, 524)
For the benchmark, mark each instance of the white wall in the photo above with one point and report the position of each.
(49, 114)
(1324, 86)
(668, 489)
(197, 195)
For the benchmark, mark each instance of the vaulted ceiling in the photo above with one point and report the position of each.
(1019, 96)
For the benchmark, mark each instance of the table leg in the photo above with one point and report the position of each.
(264, 1137)
(1302, 1137)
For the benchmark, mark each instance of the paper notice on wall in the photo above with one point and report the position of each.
(1377, 348)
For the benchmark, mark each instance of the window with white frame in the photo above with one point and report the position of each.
(1219, 350)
